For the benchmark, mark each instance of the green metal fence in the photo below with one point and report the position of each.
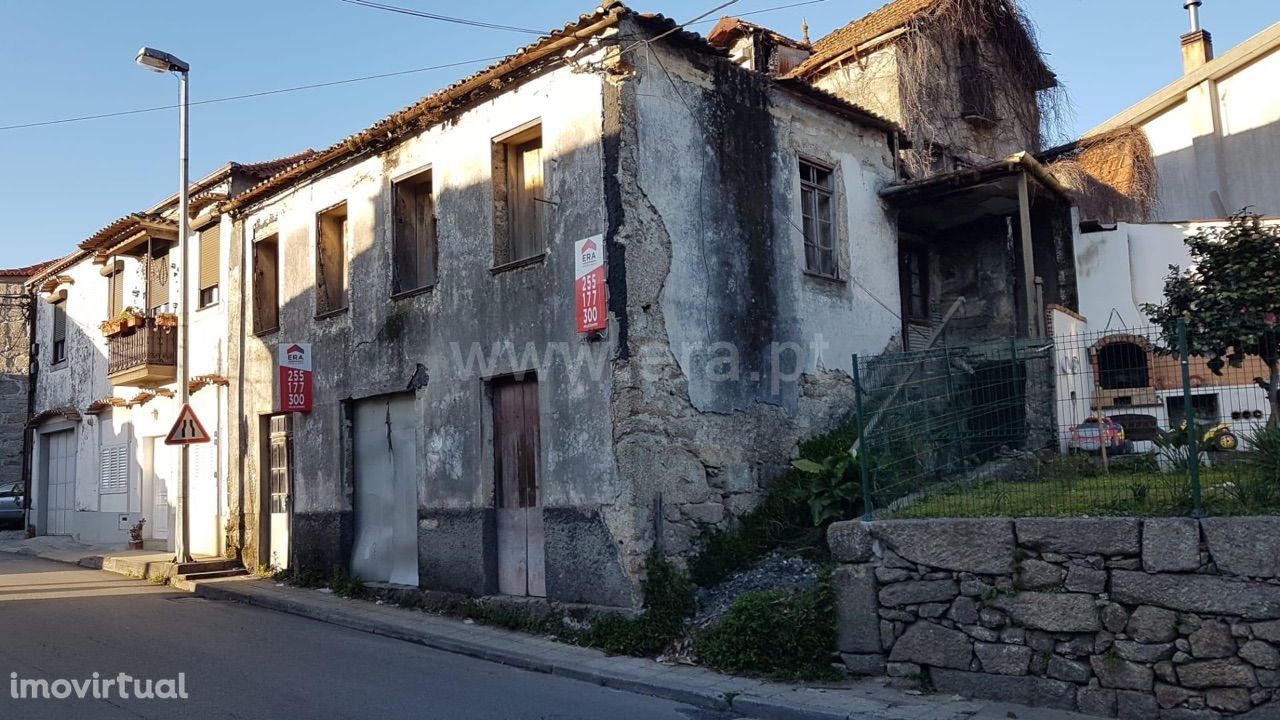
(1085, 424)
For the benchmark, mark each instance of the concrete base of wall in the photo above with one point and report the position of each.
(457, 550)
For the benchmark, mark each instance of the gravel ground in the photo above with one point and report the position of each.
(772, 571)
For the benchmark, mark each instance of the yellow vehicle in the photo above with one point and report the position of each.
(1216, 437)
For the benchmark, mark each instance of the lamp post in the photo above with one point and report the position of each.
(160, 61)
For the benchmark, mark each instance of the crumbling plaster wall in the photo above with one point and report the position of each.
(705, 411)
(445, 343)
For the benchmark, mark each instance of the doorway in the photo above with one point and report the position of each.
(516, 464)
(386, 490)
(59, 475)
(279, 489)
(163, 483)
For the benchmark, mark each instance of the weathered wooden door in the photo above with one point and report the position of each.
(517, 462)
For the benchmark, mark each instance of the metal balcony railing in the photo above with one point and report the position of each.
(148, 346)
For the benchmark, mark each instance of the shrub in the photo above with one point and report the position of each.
(669, 602)
(1264, 451)
(780, 633)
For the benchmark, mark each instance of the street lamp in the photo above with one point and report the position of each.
(160, 61)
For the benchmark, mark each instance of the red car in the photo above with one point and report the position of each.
(1090, 435)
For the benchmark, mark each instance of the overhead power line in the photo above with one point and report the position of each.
(246, 96)
(442, 18)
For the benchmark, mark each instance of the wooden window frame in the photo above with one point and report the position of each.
(819, 259)
(328, 301)
(415, 251)
(259, 327)
(909, 250)
(520, 236)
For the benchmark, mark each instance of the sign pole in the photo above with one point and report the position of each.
(183, 549)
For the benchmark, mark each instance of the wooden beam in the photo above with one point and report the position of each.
(1028, 256)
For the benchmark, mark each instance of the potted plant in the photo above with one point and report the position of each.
(112, 326)
(135, 534)
(133, 317)
(167, 320)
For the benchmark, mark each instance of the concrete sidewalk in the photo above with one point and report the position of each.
(857, 699)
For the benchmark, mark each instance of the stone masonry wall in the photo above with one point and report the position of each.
(13, 378)
(1161, 619)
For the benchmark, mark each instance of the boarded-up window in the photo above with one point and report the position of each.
(414, 250)
(519, 228)
(817, 210)
(59, 332)
(331, 260)
(209, 265)
(266, 284)
(113, 470)
(158, 278)
(115, 289)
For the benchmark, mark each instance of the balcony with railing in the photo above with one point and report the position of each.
(143, 356)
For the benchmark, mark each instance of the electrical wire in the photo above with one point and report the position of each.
(246, 96)
(442, 18)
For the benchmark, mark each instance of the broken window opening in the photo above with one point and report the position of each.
(519, 202)
(817, 210)
(414, 248)
(266, 285)
(915, 282)
(332, 231)
(977, 86)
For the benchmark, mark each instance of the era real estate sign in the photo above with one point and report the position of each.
(589, 284)
(295, 387)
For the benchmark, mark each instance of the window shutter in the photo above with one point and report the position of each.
(115, 288)
(60, 321)
(158, 280)
(209, 256)
(113, 470)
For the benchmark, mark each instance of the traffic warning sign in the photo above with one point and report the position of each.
(187, 430)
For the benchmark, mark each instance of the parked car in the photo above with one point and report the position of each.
(12, 504)
(1090, 436)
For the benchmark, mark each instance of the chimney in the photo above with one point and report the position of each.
(1197, 45)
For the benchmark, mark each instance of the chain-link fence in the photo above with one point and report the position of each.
(1085, 424)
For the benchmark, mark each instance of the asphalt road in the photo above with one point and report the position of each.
(62, 622)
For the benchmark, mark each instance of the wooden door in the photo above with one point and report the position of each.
(517, 461)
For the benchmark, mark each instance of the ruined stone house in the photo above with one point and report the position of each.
(15, 345)
(472, 428)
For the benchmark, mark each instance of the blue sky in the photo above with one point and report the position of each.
(59, 184)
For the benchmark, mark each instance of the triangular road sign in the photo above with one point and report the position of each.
(187, 430)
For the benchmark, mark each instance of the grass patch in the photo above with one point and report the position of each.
(1136, 491)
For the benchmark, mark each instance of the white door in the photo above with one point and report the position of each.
(279, 486)
(386, 492)
(205, 517)
(164, 478)
(59, 481)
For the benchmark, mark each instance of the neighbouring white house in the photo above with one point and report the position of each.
(104, 366)
(1215, 131)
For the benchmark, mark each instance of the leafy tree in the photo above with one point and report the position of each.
(1230, 298)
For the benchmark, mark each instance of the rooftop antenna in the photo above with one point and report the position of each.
(804, 29)
(1193, 10)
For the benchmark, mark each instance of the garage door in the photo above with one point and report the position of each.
(386, 497)
(59, 481)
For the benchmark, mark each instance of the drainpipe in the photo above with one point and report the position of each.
(28, 433)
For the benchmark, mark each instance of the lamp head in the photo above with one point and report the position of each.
(160, 61)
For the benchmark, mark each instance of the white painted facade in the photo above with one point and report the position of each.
(1216, 130)
(102, 507)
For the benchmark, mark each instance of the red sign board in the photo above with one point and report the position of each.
(295, 387)
(187, 430)
(589, 287)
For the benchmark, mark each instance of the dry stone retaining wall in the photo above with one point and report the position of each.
(1160, 619)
